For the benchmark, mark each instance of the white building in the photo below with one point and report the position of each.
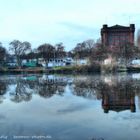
(60, 62)
(84, 61)
(135, 62)
(108, 61)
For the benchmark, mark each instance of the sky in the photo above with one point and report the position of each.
(67, 21)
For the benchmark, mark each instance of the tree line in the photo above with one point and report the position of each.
(23, 50)
(95, 51)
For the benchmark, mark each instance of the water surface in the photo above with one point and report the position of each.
(92, 107)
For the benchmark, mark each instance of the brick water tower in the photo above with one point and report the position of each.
(117, 35)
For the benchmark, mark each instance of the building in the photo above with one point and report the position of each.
(138, 38)
(11, 61)
(67, 61)
(57, 62)
(117, 35)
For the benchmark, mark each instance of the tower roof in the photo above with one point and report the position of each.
(118, 26)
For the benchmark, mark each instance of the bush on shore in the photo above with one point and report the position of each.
(109, 68)
(77, 69)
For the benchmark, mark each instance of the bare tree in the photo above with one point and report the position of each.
(60, 50)
(19, 49)
(2, 53)
(46, 51)
(128, 51)
(89, 44)
(83, 50)
(99, 41)
(99, 53)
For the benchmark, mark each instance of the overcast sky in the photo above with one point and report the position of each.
(67, 21)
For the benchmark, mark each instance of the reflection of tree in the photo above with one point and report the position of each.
(86, 87)
(118, 91)
(22, 88)
(22, 92)
(44, 88)
(3, 89)
(47, 91)
(61, 89)
(48, 88)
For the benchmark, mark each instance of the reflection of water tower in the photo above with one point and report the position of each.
(118, 102)
(138, 95)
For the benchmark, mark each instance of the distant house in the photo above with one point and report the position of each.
(109, 61)
(135, 62)
(55, 62)
(69, 61)
(11, 61)
(11, 58)
(29, 63)
(82, 61)
(60, 62)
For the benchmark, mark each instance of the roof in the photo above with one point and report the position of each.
(118, 26)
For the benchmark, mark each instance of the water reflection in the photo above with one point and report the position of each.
(22, 88)
(118, 97)
(116, 92)
(70, 107)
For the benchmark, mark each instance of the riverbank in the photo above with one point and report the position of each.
(23, 70)
(72, 70)
(57, 70)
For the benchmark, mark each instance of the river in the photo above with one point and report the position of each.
(70, 107)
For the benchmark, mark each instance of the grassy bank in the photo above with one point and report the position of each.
(20, 70)
(76, 69)
(85, 69)
(57, 70)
